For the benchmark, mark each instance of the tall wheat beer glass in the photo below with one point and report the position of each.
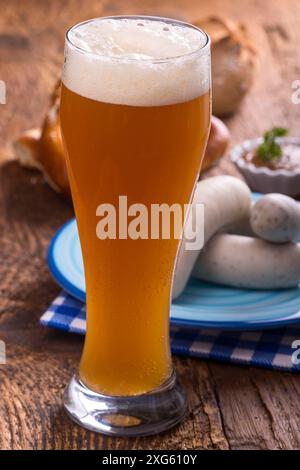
(135, 117)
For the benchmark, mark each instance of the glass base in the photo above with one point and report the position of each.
(137, 415)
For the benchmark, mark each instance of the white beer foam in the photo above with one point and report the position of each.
(137, 62)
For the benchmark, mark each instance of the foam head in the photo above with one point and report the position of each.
(137, 61)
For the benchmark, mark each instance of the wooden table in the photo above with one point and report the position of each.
(230, 407)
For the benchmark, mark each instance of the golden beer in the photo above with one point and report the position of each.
(152, 155)
(146, 143)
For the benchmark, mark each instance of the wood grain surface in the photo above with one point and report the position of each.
(230, 407)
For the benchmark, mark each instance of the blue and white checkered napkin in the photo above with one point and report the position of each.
(269, 348)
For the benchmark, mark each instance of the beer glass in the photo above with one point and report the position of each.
(135, 117)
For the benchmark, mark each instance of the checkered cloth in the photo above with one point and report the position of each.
(268, 348)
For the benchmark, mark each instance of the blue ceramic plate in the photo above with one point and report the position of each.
(201, 304)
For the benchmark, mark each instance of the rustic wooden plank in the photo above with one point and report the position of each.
(229, 406)
(238, 398)
(279, 395)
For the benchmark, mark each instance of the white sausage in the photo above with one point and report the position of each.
(226, 199)
(248, 262)
(276, 218)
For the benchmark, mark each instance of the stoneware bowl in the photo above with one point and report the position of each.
(263, 179)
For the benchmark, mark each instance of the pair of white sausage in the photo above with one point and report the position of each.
(242, 261)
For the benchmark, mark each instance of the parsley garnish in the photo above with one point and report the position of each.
(270, 149)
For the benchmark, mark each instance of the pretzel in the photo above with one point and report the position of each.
(43, 148)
